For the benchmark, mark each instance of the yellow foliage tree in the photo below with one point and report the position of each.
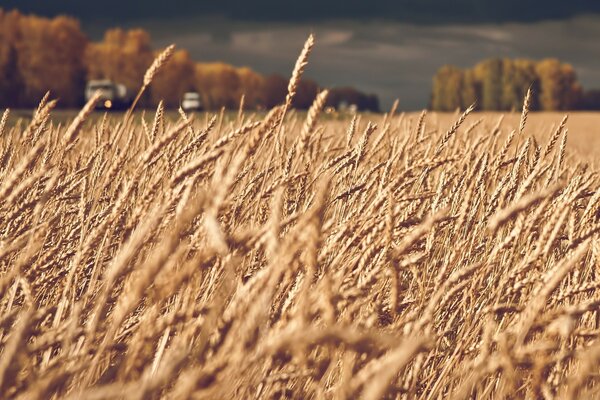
(174, 79)
(123, 57)
(50, 57)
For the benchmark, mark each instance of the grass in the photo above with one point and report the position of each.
(247, 255)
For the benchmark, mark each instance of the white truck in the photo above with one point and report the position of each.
(191, 101)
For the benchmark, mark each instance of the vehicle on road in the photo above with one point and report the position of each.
(113, 96)
(191, 101)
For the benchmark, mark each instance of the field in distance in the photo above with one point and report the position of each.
(584, 127)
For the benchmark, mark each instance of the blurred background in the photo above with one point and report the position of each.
(426, 53)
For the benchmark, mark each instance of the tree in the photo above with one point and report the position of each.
(503, 84)
(252, 87)
(11, 81)
(305, 94)
(471, 90)
(40, 54)
(489, 74)
(559, 89)
(123, 57)
(590, 100)
(511, 96)
(349, 96)
(275, 89)
(550, 84)
(370, 103)
(573, 91)
(174, 79)
(49, 55)
(219, 84)
(447, 88)
(525, 78)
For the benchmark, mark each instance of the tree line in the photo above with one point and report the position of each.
(501, 84)
(39, 54)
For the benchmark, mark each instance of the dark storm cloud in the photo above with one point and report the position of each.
(413, 11)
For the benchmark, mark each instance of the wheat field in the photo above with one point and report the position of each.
(284, 256)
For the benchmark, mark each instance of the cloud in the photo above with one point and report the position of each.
(421, 11)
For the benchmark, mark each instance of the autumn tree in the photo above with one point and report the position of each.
(590, 100)
(305, 94)
(252, 87)
(525, 78)
(40, 54)
(123, 57)
(351, 96)
(489, 74)
(275, 89)
(219, 84)
(550, 84)
(518, 77)
(175, 78)
(447, 88)
(470, 91)
(49, 55)
(370, 103)
(343, 96)
(502, 85)
(511, 96)
(559, 89)
(11, 80)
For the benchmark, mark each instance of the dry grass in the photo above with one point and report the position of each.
(277, 257)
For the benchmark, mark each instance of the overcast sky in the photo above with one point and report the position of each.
(388, 47)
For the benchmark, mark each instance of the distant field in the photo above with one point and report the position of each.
(584, 127)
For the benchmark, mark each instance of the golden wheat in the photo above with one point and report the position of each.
(219, 257)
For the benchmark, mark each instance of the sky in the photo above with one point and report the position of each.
(388, 47)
